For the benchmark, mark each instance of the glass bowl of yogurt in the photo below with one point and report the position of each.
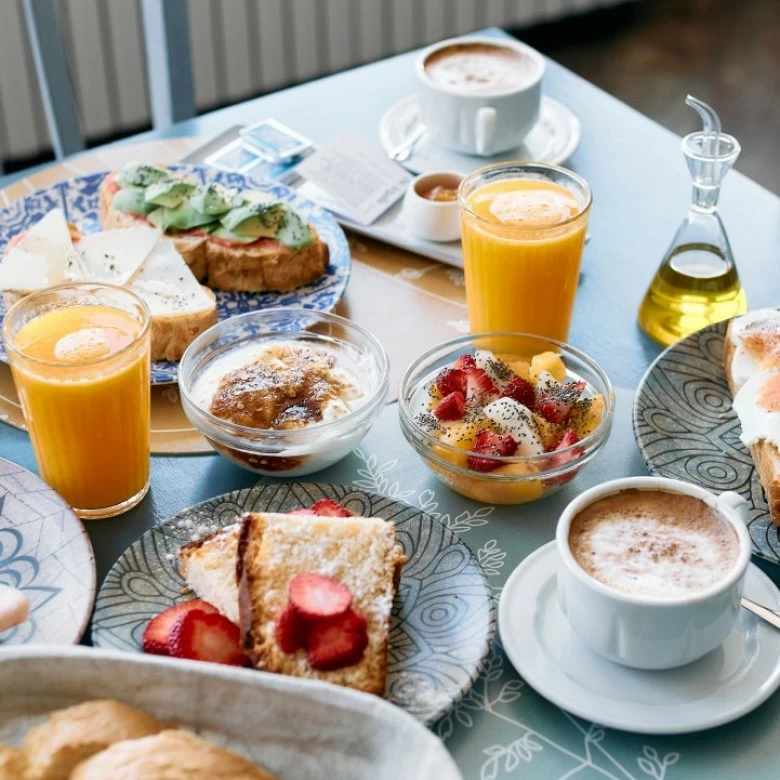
(284, 391)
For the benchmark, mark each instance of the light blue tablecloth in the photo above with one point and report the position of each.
(641, 191)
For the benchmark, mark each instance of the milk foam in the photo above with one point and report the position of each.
(654, 543)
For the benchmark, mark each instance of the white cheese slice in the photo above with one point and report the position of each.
(43, 258)
(113, 256)
(14, 607)
(167, 285)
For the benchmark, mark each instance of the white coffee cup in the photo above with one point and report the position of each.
(480, 123)
(643, 631)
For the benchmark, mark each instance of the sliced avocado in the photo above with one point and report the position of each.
(294, 233)
(140, 175)
(213, 199)
(169, 192)
(183, 217)
(131, 199)
(255, 219)
(224, 233)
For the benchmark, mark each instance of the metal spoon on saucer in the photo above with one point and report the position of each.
(769, 615)
(404, 150)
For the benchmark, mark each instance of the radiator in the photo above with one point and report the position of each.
(240, 48)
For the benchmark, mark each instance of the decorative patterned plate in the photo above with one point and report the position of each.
(46, 553)
(443, 617)
(686, 429)
(78, 198)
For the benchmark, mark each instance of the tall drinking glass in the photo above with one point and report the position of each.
(80, 358)
(523, 229)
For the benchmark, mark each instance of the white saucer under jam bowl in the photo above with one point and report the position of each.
(725, 684)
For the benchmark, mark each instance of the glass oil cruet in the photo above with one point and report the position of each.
(697, 282)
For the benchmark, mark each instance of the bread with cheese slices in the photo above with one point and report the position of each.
(138, 257)
(751, 355)
(222, 264)
(752, 345)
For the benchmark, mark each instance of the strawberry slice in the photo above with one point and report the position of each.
(337, 643)
(451, 380)
(451, 407)
(465, 362)
(325, 507)
(157, 634)
(479, 385)
(569, 439)
(520, 390)
(290, 630)
(489, 442)
(202, 636)
(318, 597)
(556, 404)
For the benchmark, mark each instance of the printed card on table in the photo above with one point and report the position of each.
(358, 178)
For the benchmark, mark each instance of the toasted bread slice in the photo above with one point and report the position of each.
(752, 345)
(54, 748)
(169, 755)
(223, 265)
(359, 552)
(12, 763)
(209, 566)
(767, 460)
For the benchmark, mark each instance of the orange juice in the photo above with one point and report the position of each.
(522, 245)
(82, 373)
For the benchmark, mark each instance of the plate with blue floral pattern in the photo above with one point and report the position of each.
(443, 617)
(44, 552)
(78, 198)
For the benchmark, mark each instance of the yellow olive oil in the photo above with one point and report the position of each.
(696, 285)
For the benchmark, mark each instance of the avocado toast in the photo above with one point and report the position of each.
(231, 240)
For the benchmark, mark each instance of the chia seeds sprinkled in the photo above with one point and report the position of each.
(499, 369)
(428, 422)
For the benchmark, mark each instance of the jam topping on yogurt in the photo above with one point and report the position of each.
(281, 386)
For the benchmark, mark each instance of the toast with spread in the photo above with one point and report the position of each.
(139, 258)
(231, 240)
(752, 368)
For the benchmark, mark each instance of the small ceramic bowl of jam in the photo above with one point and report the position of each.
(430, 208)
(284, 391)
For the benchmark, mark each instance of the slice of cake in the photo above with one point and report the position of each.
(353, 555)
(209, 567)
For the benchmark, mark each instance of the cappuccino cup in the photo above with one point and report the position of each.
(651, 570)
(479, 95)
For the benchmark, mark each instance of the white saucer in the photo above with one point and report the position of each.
(552, 140)
(724, 685)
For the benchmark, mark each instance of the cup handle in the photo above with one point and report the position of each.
(484, 129)
(735, 502)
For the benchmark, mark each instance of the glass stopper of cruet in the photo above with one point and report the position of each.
(697, 283)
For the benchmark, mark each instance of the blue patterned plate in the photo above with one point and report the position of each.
(686, 429)
(443, 617)
(78, 198)
(44, 552)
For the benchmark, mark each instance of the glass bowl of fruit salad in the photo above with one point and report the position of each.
(506, 418)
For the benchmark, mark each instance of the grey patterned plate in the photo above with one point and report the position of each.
(443, 617)
(44, 552)
(686, 429)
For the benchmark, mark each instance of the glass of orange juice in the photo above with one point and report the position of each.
(79, 355)
(523, 229)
